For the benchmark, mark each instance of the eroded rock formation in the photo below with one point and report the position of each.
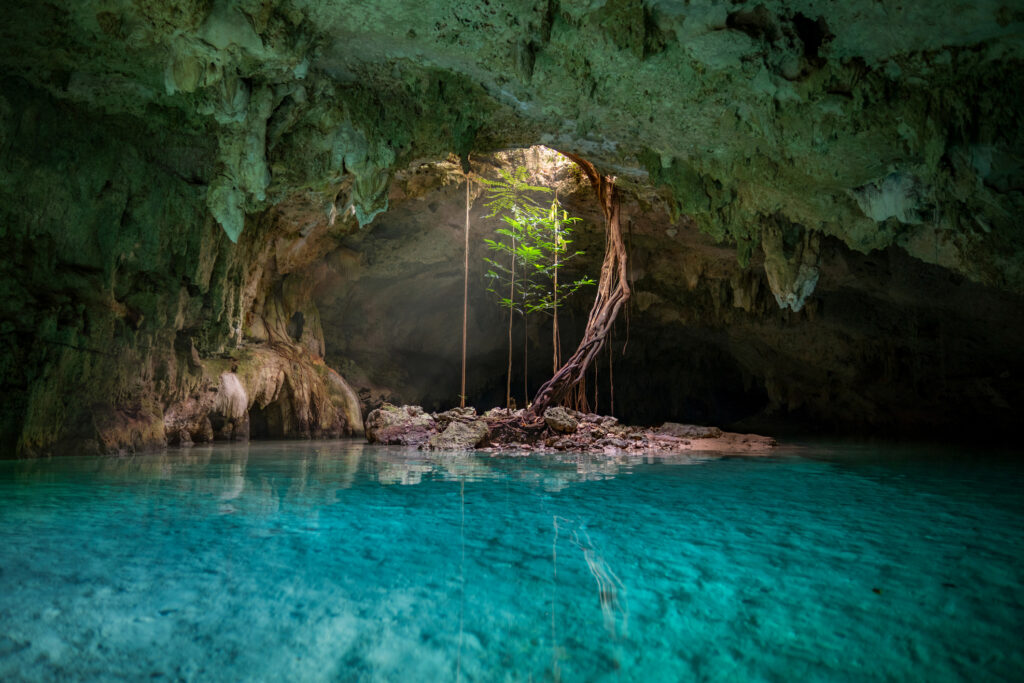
(126, 302)
(180, 184)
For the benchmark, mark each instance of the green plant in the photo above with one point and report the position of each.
(530, 248)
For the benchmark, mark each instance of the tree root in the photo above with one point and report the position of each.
(612, 293)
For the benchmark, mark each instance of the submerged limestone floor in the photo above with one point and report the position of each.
(342, 561)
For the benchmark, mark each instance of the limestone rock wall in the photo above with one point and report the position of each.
(121, 290)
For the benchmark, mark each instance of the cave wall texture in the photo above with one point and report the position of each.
(826, 198)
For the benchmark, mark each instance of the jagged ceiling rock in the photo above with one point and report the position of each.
(791, 264)
(878, 123)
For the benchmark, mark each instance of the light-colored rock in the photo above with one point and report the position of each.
(560, 420)
(399, 425)
(232, 401)
(460, 435)
(792, 269)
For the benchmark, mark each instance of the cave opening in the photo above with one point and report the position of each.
(260, 423)
(409, 275)
(270, 421)
(703, 340)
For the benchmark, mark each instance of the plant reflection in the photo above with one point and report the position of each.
(261, 476)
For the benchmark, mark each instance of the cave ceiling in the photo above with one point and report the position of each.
(878, 123)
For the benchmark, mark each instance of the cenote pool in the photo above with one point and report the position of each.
(342, 561)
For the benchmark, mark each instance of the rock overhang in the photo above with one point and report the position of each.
(858, 120)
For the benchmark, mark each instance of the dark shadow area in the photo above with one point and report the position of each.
(886, 345)
(295, 325)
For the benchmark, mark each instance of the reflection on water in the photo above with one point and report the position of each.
(611, 592)
(338, 560)
(276, 472)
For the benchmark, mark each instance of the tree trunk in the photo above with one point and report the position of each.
(612, 293)
(465, 302)
(556, 355)
(511, 310)
(526, 362)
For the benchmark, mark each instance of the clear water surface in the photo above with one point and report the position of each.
(341, 561)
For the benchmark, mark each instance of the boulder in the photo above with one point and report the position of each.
(187, 422)
(460, 436)
(560, 420)
(448, 416)
(399, 425)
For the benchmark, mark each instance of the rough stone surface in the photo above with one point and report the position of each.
(447, 417)
(399, 425)
(120, 289)
(520, 432)
(851, 120)
(560, 420)
(689, 431)
(502, 430)
(460, 435)
(274, 392)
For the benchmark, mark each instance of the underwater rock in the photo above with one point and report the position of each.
(560, 420)
(460, 435)
(394, 425)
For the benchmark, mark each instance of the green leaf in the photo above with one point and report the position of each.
(541, 235)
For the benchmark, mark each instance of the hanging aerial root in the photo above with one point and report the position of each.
(612, 293)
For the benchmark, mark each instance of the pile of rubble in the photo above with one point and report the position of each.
(560, 429)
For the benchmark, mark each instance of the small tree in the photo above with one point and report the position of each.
(531, 247)
(551, 239)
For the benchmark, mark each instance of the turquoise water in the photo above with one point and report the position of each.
(340, 561)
